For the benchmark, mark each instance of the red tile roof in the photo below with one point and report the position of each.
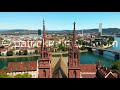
(3, 70)
(88, 67)
(103, 71)
(22, 66)
(88, 75)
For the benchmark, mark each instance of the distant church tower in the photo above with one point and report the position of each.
(44, 62)
(73, 59)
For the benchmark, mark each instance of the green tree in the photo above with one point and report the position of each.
(4, 75)
(25, 52)
(17, 53)
(116, 65)
(10, 53)
(83, 43)
(61, 47)
(80, 42)
(36, 51)
(105, 43)
(20, 53)
(82, 48)
(30, 53)
(5, 67)
(25, 75)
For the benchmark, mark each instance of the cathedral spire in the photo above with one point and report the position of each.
(44, 34)
(74, 39)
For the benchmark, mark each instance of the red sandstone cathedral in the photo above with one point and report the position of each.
(44, 63)
(74, 68)
(43, 67)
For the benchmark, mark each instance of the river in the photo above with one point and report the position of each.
(85, 58)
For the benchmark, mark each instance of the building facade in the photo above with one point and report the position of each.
(73, 59)
(44, 62)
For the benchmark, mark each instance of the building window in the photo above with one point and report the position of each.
(74, 55)
(74, 64)
(44, 73)
(44, 54)
(70, 56)
(74, 74)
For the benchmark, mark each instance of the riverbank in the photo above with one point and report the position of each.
(83, 51)
(54, 53)
(23, 56)
(14, 56)
(107, 46)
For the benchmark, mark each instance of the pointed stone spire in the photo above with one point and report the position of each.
(74, 39)
(44, 35)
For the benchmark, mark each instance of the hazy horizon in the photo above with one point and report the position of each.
(58, 20)
(52, 30)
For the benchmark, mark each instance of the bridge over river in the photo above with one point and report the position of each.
(100, 50)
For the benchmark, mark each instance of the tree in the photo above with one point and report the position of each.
(82, 48)
(5, 67)
(30, 53)
(116, 65)
(10, 53)
(36, 51)
(83, 43)
(80, 42)
(4, 75)
(25, 52)
(17, 53)
(20, 53)
(105, 43)
(25, 75)
(61, 47)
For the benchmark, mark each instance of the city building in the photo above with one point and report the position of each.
(75, 69)
(54, 67)
(100, 29)
(15, 68)
(44, 62)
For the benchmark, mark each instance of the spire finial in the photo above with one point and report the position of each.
(43, 21)
(74, 34)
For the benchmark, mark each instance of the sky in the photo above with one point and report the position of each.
(58, 20)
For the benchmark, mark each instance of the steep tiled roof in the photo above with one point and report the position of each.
(88, 67)
(3, 70)
(88, 75)
(103, 71)
(22, 66)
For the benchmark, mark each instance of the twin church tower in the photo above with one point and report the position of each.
(44, 62)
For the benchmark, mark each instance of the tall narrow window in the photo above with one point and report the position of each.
(74, 74)
(44, 73)
(44, 54)
(74, 63)
(74, 55)
(70, 56)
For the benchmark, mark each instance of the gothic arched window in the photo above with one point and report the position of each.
(70, 56)
(74, 63)
(74, 55)
(44, 54)
(74, 74)
(44, 73)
